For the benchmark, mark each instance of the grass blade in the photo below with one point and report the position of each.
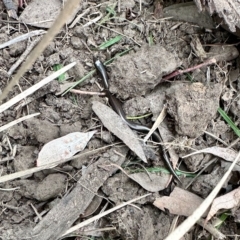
(229, 121)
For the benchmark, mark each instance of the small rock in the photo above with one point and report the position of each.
(138, 73)
(193, 106)
(53, 59)
(76, 42)
(49, 188)
(42, 130)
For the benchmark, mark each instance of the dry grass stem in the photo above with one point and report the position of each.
(23, 56)
(34, 88)
(160, 118)
(22, 38)
(17, 121)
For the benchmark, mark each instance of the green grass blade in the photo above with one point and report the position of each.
(57, 67)
(110, 42)
(229, 121)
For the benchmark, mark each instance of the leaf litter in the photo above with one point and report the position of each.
(63, 147)
(124, 76)
(230, 200)
(115, 124)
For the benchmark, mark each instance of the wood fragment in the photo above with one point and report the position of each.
(75, 203)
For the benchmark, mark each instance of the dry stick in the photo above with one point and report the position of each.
(211, 229)
(87, 93)
(34, 88)
(179, 72)
(23, 56)
(22, 38)
(17, 121)
(68, 10)
(191, 220)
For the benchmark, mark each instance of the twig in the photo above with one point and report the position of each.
(180, 72)
(17, 121)
(22, 38)
(23, 56)
(87, 93)
(34, 88)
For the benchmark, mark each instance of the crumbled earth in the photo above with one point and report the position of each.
(156, 47)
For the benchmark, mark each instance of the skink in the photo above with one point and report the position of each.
(117, 107)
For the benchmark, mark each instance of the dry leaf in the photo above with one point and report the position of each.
(225, 153)
(115, 124)
(63, 147)
(93, 206)
(150, 181)
(227, 201)
(180, 202)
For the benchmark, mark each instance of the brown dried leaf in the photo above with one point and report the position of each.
(227, 201)
(180, 202)
(115, 124)
(63, 147)
(225, 153)
(93, 206)
(150, 181)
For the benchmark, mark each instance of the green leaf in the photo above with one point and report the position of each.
(111, 11)
(110, 42)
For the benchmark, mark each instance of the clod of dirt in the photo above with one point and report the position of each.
(69, 128)
(17, 48)
(43, 13)
(151, 224)
(223, 53)
(25, 159)
(107, 137)
(49, 188)
(218, 128)
(205, 183)
(136, 106)
(193, 106)
(53, 59)
(42, 130)
(119, 184)
(138, 73)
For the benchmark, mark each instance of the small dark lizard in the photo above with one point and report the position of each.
(117, 107)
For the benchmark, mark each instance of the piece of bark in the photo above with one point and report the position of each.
(64, 214)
